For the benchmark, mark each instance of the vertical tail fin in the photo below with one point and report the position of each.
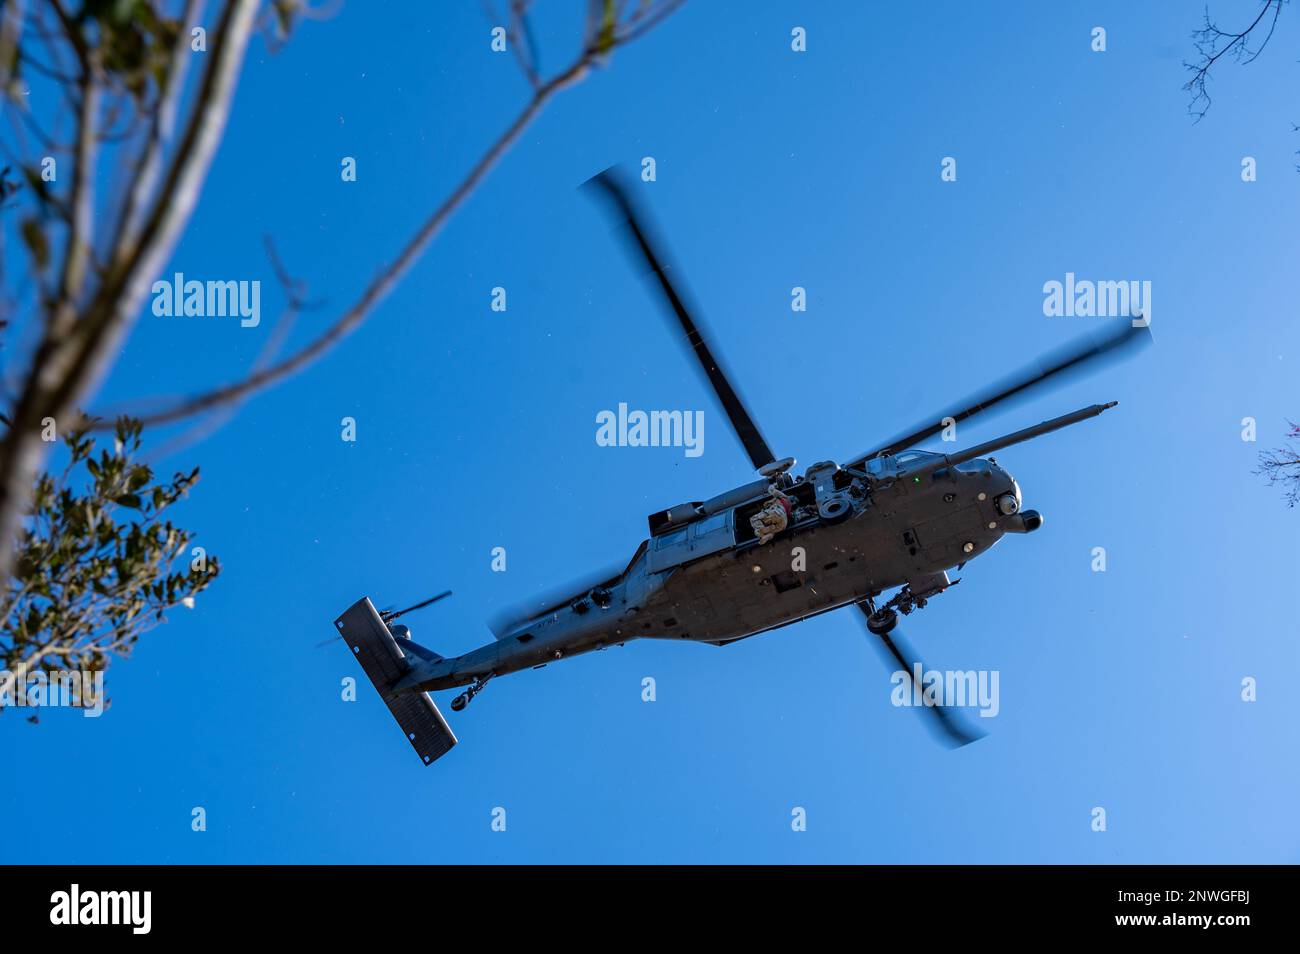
(384, 663)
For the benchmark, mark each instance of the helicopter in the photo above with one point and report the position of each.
(893, 518)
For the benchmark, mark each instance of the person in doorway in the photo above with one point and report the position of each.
(774, 517)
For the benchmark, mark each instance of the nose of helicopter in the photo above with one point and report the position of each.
(1006, 495)
(1007, 503)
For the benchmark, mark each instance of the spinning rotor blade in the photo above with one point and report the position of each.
(388, 616)
(1077, 357)
(946, 724)
(505, 620)
(744, 426)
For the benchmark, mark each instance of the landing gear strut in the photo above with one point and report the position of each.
(906, 602)
(464, 699)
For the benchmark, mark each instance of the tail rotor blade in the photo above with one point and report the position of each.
(389, 616)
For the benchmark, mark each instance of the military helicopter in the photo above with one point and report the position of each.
(892, 518)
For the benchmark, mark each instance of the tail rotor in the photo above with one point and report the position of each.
(388, 615)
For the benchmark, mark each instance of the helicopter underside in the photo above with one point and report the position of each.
(900, 536)
(820, 567)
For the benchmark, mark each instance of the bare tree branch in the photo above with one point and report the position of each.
(11, 31)
(81, 209)
(159, 198)
(65, 369)
(383, 283)
(1281, 466)
(646, 18)
(148, 165)
(295, 293)
(518, 38)
(1212, 43)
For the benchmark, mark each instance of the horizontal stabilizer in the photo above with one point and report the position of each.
(384, 663)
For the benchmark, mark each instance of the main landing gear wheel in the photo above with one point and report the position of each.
(880, 623)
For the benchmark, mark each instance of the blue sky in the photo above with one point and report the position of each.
(476, 429)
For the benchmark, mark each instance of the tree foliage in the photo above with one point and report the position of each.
(117, 108)
(99, 562)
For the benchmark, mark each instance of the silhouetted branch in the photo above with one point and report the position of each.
(1213, 43)
(1282, 466)
(602, 39)
(519, 38)
(73, 354)
(135, 55)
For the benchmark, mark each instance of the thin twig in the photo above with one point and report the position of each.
(1207, 40)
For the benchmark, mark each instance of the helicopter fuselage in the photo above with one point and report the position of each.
(852, 537)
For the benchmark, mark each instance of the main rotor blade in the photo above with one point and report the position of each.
(946, 723)
(741, 421)
(506, 619)
(1077, 357)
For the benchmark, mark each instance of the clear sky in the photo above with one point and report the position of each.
(476, 429)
